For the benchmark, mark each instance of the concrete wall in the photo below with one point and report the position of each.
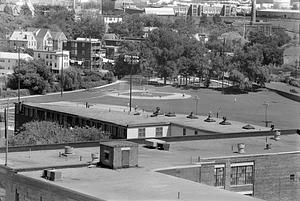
(115, 156)
(35, 190)
(150, 132)
(272, 174)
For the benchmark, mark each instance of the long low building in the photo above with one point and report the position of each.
(120, 123)
(209, 170)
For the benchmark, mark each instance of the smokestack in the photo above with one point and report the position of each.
(253, 12)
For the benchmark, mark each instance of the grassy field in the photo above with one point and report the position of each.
(249, 108)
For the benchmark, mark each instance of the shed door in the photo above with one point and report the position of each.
(125, 158)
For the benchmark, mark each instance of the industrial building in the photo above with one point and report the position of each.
(214, 169)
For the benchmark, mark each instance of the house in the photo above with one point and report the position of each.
(111, 44)
(48, 39)
(43, 37)
(147, 30)
(85, 52)
(53, 59)
(58, 38)
(24, 39)
(9, 60)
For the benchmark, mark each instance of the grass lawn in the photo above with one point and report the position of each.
(248, 108)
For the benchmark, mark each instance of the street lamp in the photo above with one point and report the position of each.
(297, 62)
(131, 59)
(196, 104)
(266, 114)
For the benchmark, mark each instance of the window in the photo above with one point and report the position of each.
(83, 45)
(141, 132)
(184, 131)
(50, 56)
(292, 177)
(196, 132)
(83, 52)
(159, 132)
(241, 175)
(39, 55)
(47, 56)
(106, 155)
(219, 176)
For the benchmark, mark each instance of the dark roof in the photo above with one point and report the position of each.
(119, 144)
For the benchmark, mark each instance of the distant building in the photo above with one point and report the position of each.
(24, 39)
(37, 38)
(53, 59)
(277, 13)
(147, 30)
(85, 52)
(9, 60)
(111, 44)
(164, 11)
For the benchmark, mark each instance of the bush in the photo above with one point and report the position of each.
(45, 132)
(14, 93)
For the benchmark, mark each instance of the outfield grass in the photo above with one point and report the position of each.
(249, 108)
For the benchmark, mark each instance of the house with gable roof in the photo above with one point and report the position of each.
(24, 39)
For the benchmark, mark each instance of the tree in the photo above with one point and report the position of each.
(45, 132)
(34, 75)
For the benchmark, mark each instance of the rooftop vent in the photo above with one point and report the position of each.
(277, 134)
(52, 175)
(192, 116)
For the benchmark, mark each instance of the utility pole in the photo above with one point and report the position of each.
(131, 59)
(62, 74)
(223, 58)
(19, 79)
(5, 131)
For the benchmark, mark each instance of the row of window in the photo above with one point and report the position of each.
(239, 175)
(142, 132)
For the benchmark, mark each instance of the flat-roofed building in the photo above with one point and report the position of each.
(9, 60)
(211, 170)
(85, 52)
(117, 121)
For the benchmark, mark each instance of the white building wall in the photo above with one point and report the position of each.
(7, 66)
(150, 132)
(53, 59)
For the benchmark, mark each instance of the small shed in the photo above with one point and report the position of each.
(118, 154)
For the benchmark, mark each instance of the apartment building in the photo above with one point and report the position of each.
(57, 60)
(85, 52)
(9, 60)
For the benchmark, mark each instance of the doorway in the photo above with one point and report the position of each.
(125, 158)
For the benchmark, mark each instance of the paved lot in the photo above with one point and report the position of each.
(284, 113)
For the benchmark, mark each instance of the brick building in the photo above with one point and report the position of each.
(85, 52)
(191, 170)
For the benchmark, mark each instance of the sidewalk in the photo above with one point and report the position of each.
(284, 90)
(65, 92)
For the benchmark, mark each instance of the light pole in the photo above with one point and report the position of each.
(131, 59)
(62, 71)
(266, 113)
(196, 106)
(297, 62)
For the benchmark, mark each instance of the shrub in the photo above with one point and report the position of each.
(14, 93)
(45, 132)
